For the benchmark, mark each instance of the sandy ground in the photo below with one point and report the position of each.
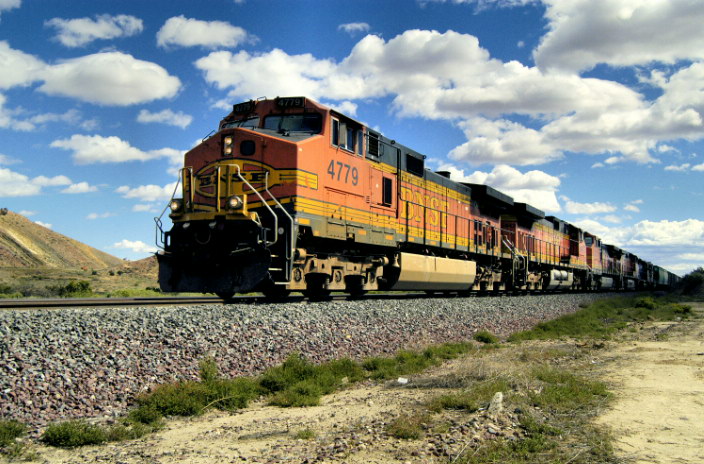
(658, 416)
(658, 380)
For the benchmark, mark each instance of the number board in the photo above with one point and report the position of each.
(245, 107)
(291, 102)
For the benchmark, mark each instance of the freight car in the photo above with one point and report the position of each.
(291, 195)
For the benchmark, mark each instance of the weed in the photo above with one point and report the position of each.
(407, 427)
(603, 318)
(471, 399)
(10, 430)
(484, 336)
(72, 434)
(73, 289)
(305, 434)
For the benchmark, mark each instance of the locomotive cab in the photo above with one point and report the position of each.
(234, 229)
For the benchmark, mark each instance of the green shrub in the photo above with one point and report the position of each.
(74, 433)
(73, 289)
(407, 427)
(10, 430)
(305, 434)
(484, 336)
(147, 415)
(294, 369)
(646, 302)
(693, 281)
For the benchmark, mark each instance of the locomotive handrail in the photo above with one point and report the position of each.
(160, 242)
(266, 205)
(290, 218)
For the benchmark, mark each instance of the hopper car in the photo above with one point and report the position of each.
(291, 195)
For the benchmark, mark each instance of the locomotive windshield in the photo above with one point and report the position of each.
(311, 123)
(247, 122)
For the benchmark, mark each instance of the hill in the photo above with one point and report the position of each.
(25, 244)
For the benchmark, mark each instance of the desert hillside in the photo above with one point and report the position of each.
(25, 244)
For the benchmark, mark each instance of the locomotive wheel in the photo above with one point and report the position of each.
(276, 292)
(317, 288)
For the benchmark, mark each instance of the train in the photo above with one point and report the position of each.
(290, 195)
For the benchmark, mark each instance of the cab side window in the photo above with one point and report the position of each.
(343, 135)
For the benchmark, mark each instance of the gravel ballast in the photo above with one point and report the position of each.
(70, 363)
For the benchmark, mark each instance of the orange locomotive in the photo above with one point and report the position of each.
(290, 195)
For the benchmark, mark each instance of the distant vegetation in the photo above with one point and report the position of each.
(693, 282)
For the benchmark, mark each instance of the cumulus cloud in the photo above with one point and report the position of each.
(92, 149)
(136, 246)
(536, 188)
(449, 76)
(584, 33)
(13, 184)
(354, 28)
(187, 32)
(81, 31)
(148, 192)
(44, 224)
(9, 4)
(81, 187)
(573, 207)
(56, 181)
(93, 216)
(167, 116)
(18, 68)
(109, 78)
(678, 168)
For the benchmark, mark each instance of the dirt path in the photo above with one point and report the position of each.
(658, 416)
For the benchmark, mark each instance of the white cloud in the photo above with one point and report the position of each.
(354, 28)
(187, 32)
(583, 33)
(612, 218)
(81, 187)
(449, 76)
(92, 149)
(346, 107)
(18, 68)
(536, 188)
(689, 232)
(13, 184)
(692, 257)
(678, 168)
(573, 207)
(167, 116)
(44, 224)
(93, 216)
(147, 208)
(27, 213)
(9, 4)
(109, 78)
(81, 31)
(56, 181)
(147, 192)
(6, 160)
(698, 167)
(136, 246)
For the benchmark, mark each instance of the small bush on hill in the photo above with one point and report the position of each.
(73, 289)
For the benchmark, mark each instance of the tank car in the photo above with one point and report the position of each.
(291, 195)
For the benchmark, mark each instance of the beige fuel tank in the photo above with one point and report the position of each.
(419, 272)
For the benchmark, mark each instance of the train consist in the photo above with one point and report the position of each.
(291, 195)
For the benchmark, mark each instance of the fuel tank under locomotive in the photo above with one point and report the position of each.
(217, 256)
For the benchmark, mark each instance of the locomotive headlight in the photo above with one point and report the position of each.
(227, 146)
(234, 202)
(176, 205)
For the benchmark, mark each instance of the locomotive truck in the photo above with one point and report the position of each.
(291, 195)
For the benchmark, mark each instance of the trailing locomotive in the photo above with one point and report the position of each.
(291, 195)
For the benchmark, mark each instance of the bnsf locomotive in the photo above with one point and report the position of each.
(290, 195)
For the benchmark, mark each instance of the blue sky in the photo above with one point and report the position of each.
(591, 110)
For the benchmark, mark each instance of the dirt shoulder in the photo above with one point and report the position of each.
(658, 380)
(656, 374)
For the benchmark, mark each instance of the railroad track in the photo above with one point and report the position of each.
(34, 303)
